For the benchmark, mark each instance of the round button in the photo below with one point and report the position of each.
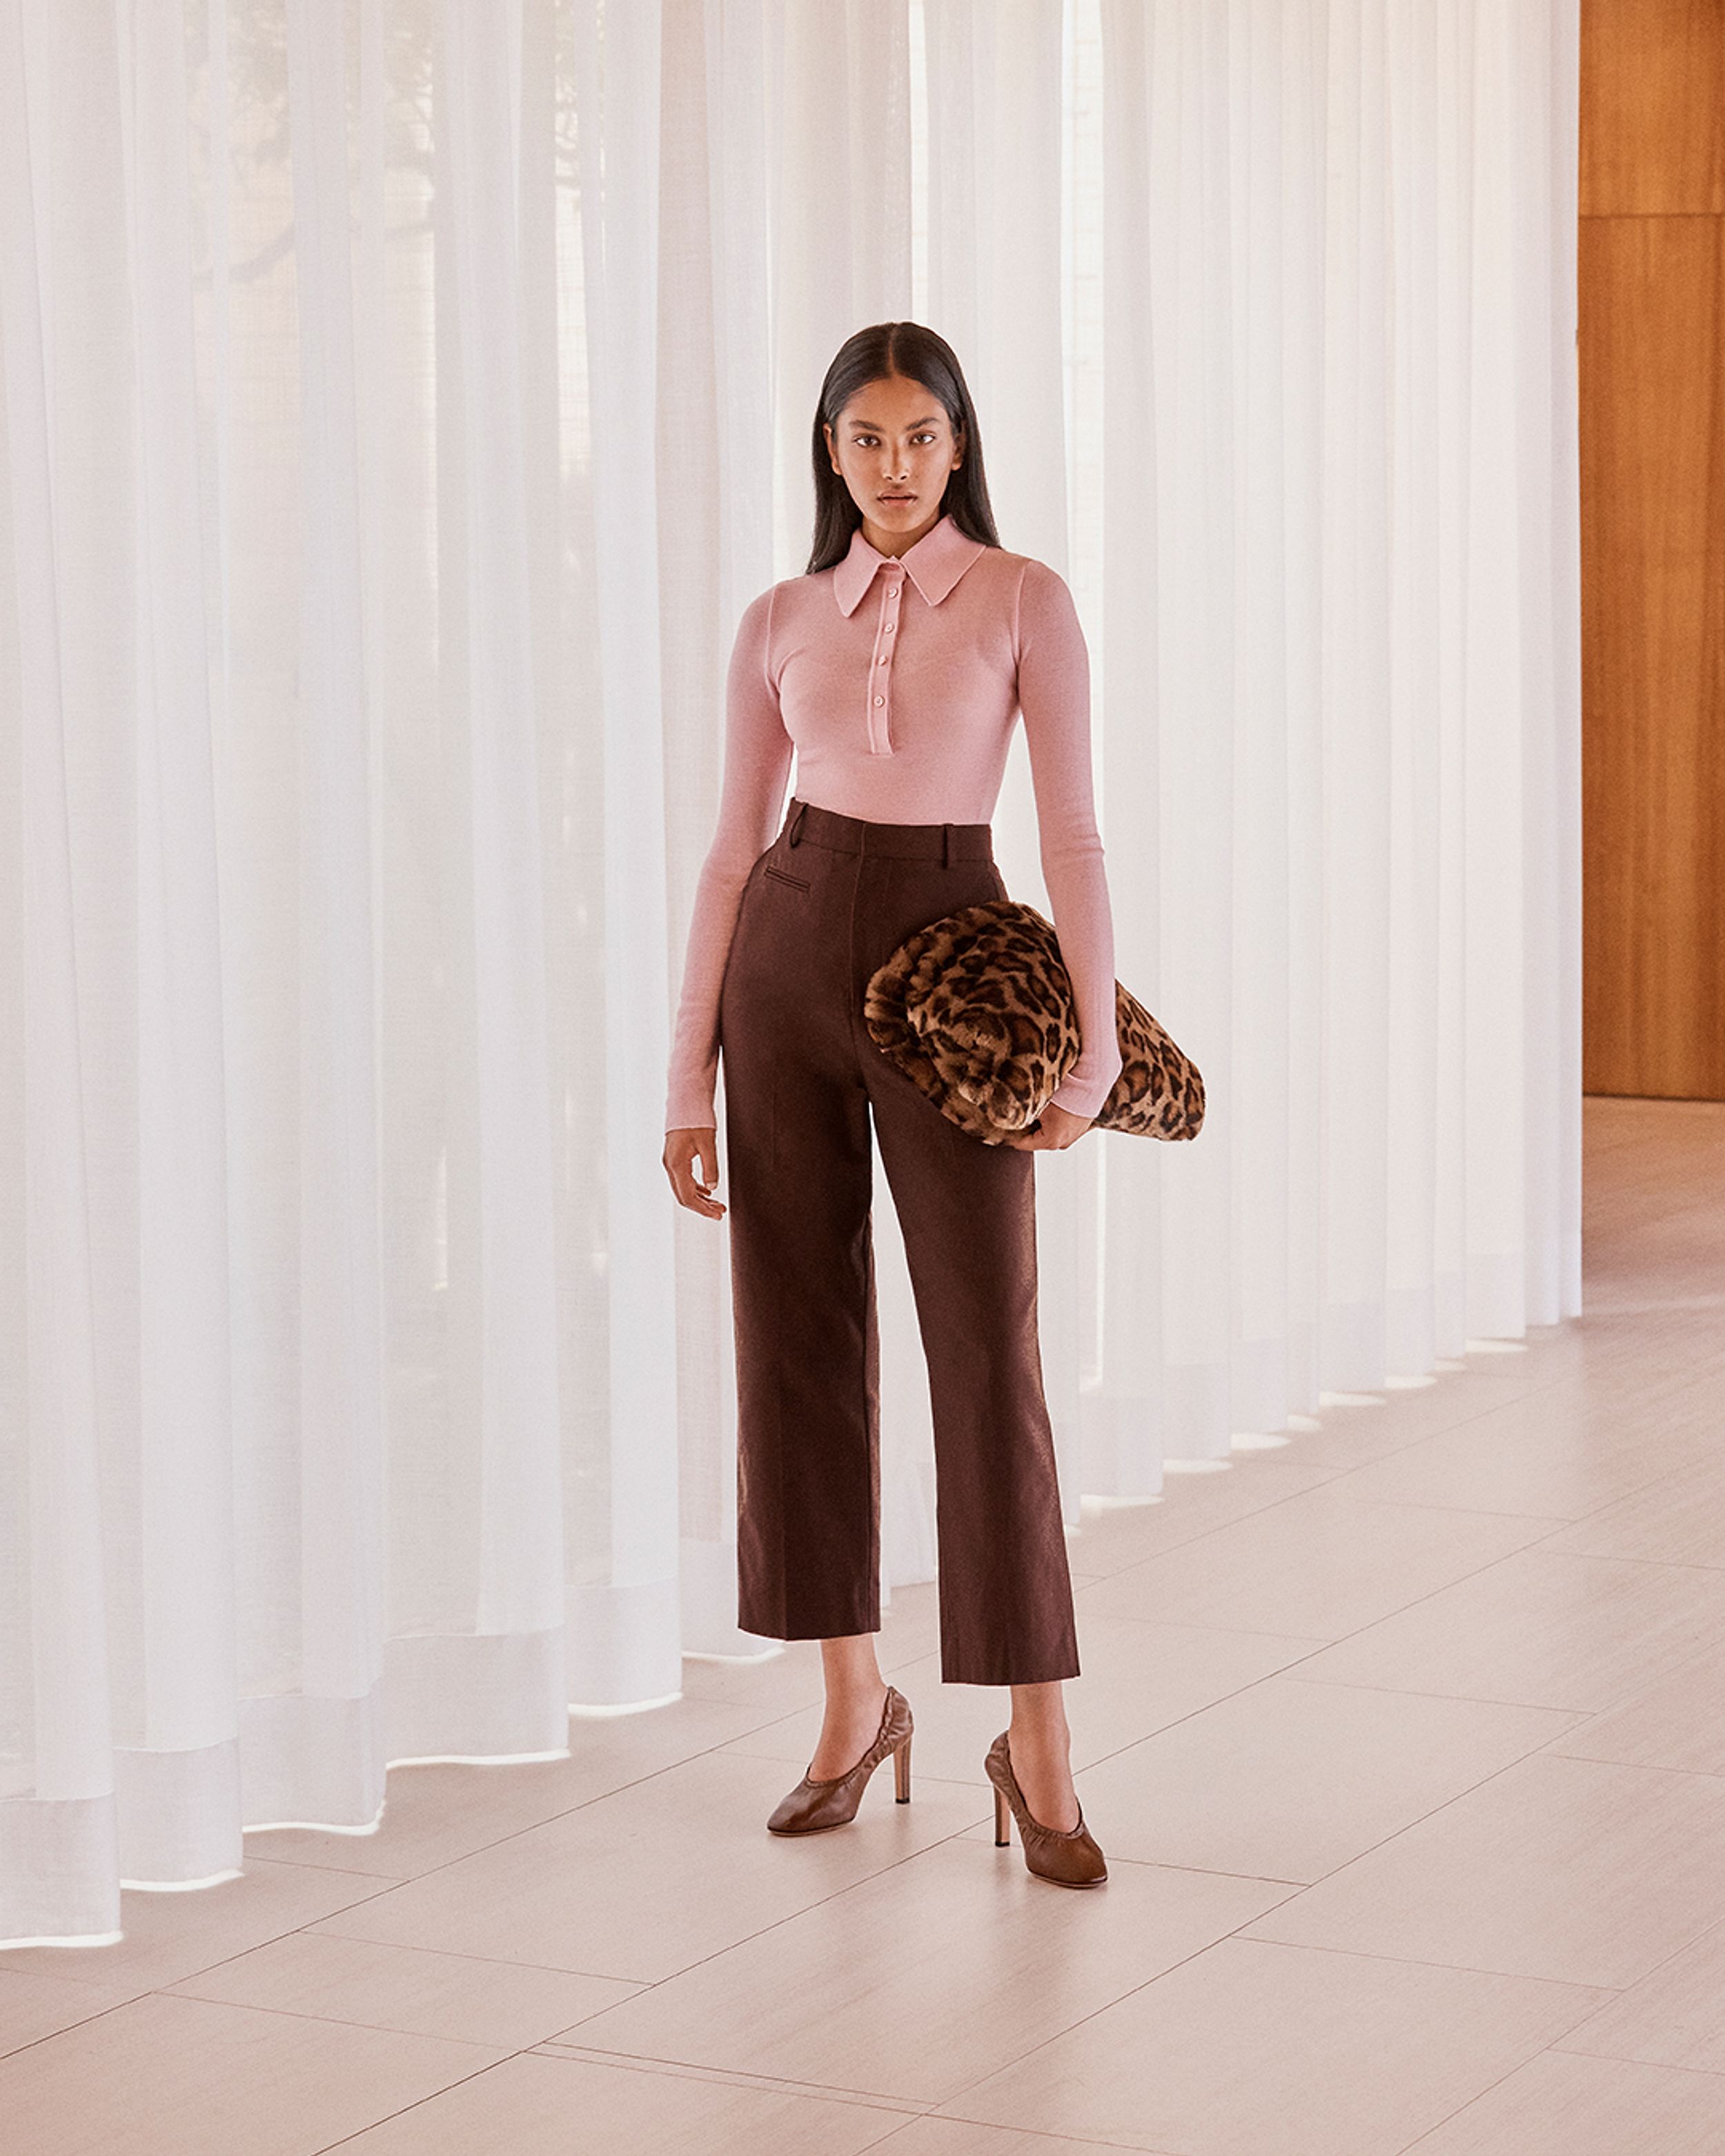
(880, 700)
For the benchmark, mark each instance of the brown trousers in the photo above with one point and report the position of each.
(828, 902)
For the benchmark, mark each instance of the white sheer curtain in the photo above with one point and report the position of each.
(399, 401)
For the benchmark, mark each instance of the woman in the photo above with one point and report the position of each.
(895, 666)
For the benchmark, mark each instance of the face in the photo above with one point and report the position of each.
(894, 447)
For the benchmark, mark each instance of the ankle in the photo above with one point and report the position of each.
(850, 1669)
(855, 1698)
(1035, 1735)
(1039, 1717)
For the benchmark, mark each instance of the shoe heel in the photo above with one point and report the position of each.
(1003, 1813)
(901, 1771)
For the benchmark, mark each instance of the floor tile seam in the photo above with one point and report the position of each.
(1612, 1557)
(1701, 1463)
(303, 1863)
(450, 1953)
(1656, 1389)
(418, 2103)
(1385, 1617)
(1557, 1527)
(1066, 2136)
(1474, 1699)
(1447, 1586)
(1064, 2139)
(293, 1930)
(1618, 2059)
(82, 2021)
(1543, 1382)
(1211, 1872)
(1406, 2148)
(514, 1834)
(966, 1837)
(702, 2070)
(501, 2051)
(1446, 1967)
(813, 1699)
(1222, 1699)
(944, 2109)
(414, 1947)
(1202, 1534)
(1517, 1975)
(1211, 1625)
(1636, 1766)
(940, 1781)
(385, 1879)
(1336, 1684)
(1654, 1967)
(1579, 1714)
(919, 2107)
(1610, 1505)
(1188, 1714)
(1420, 1818)
(973, 1837)
(83, 1983)
(1230, 1631)
(1554, 1523)
(652, 1983)
(1411, 2148)
(1325, 1480)
(909, 2107)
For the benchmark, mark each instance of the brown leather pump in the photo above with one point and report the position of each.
(811, 1807)
(1071, 1858)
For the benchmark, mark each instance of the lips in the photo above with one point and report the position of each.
(898, 497)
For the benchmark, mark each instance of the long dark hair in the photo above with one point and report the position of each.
(910, 349)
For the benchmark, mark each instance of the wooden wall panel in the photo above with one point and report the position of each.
(1652, 107)
(1651, 319)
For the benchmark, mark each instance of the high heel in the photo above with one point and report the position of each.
(1069, 1857)
(812, 1806)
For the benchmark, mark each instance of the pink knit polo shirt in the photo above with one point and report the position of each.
(897, 683)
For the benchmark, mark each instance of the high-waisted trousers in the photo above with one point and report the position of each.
(829, 901)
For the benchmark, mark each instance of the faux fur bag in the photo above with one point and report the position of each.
(977, 1009)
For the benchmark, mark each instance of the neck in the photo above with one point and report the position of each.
(894, 543)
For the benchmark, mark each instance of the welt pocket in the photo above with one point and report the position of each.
(784, 876)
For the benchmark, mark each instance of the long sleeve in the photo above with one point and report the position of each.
(758, 759)
(1054, 695)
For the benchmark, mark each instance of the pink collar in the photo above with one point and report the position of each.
(936, 562)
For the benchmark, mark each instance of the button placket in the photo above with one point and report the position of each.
(879, 689)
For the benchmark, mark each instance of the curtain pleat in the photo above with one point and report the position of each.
(399, 402)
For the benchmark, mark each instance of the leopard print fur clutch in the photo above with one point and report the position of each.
(977, 1010)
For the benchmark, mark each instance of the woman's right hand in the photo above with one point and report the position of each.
(682, 1148)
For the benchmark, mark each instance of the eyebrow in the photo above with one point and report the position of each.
(875, 427)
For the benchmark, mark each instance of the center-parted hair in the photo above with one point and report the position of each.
(922, 355)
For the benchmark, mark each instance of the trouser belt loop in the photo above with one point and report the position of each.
(796, 832)
(945, 845)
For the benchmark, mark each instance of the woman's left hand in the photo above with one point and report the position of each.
(1057, 1129)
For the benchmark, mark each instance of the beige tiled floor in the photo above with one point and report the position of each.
(1404, 1740)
